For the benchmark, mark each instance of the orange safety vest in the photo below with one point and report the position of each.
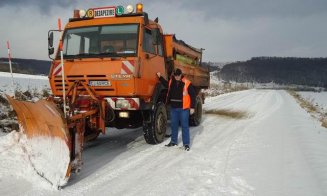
(186, 96)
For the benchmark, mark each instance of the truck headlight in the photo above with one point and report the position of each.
(122, 103)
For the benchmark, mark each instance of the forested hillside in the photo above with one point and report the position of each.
(280, 70)
(26, 66)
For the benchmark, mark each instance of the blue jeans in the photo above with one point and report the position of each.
(178, 115)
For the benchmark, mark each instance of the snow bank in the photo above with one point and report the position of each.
(14, 160)
(18, 75)
(50, 157)
(22, 82)
(316, 98)
(42, 160)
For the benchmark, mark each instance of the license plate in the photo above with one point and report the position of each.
(99, 83)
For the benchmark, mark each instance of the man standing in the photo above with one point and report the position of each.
(181, 97)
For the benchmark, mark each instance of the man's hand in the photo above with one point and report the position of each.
(191, 111)
(158, 74)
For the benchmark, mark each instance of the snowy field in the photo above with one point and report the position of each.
(277, 149)
(316, 98)
(22, 81)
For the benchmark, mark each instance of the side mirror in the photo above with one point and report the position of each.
(50, 44)
(50, 51)
(50, 39)
(156, 36)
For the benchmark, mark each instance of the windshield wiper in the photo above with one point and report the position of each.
(111, 54)
(81, 55)
(86, 54)
(103, 54)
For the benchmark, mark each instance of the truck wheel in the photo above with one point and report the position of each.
(196, 118)
(155, 130)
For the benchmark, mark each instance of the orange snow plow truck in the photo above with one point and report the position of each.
(104, 75)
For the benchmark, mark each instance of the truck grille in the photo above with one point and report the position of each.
(70, 79)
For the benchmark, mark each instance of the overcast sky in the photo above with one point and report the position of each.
(229, 30)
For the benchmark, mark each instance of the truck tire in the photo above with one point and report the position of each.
(155, 130)
(196, 118)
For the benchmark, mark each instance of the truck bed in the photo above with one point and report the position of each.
(188, 59)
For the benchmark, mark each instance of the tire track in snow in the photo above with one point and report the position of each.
(265, 99)
(115, 169)
(236, 133)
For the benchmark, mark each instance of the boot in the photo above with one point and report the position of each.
(187, 147)
(171, 144)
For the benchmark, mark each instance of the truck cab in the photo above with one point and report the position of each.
(114, 54)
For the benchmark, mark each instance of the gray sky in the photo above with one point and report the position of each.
(229, 30)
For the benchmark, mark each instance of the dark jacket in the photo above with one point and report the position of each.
(175, 93)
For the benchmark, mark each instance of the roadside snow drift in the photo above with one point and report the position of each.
(43, 158)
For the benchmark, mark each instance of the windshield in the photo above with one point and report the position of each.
(102, 41)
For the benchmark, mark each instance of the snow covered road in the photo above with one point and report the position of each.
(276, 148)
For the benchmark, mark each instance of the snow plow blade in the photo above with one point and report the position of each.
(48, 139)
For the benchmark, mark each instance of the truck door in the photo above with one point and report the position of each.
(152, 60)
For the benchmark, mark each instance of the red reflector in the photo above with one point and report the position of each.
(133, 103)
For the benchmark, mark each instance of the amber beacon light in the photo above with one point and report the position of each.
(139, 8)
